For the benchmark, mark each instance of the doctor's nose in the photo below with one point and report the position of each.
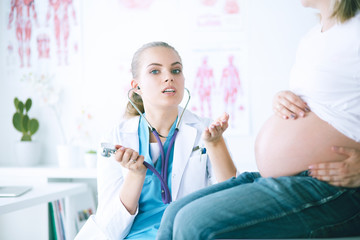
(169, 77)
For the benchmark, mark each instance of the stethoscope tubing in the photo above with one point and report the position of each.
(165, 196)
(165, 192)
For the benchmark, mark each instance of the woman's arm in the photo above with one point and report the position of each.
(217, 150)
(345, 173)
(112, 216)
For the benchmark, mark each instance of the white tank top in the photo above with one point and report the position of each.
(326, 75)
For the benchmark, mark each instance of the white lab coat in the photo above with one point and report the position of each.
(191, 171)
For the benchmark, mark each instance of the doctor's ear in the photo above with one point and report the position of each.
(135, 84)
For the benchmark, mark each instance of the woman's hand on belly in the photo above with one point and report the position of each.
(345, 173)
(288, 105)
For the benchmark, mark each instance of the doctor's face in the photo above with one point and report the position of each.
(161, 78)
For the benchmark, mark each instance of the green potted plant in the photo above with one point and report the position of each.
(22, 121)
(27, 151)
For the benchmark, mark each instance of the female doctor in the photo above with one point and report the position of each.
(131, 195)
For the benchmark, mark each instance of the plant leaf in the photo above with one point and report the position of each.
(25, 123)
(16, 102)
(33, 126)
(28, 104)
(21, 107)
(17, 121)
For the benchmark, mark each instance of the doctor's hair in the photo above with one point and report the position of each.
(135, 69)
(344, 10)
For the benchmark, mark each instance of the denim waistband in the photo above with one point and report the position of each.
(303, 173)
(306, 174)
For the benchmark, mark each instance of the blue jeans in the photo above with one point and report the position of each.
(250, 206)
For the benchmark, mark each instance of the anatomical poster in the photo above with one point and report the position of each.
(218, 73)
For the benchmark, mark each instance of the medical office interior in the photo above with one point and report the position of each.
(72, 59)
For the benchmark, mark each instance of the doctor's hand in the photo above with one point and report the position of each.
(130, 159)
(288, 105)
(214, 132)
(344, 173)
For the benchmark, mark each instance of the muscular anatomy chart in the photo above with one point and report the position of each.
(58, 13)
(218, 87)
(25, 16)
(42, 30)
(203, 85)
(231, 86)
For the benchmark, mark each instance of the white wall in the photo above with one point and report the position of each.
(274, 30)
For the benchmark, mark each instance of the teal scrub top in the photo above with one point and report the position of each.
(151, 207)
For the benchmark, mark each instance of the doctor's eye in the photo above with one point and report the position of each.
(154, 71)
(176, 71)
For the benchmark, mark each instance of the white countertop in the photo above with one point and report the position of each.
(41, 193)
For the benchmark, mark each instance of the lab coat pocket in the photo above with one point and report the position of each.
(195, 176)
(198, 159)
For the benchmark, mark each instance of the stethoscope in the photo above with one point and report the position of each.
(165, 192)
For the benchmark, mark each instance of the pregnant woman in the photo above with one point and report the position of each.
(283, 200)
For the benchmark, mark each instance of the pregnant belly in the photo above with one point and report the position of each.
(286, 147)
